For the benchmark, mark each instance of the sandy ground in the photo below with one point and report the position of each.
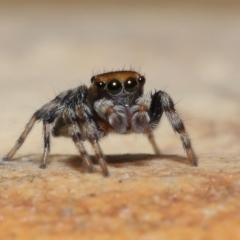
(190, 51)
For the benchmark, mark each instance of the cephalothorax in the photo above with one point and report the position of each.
(113, 103)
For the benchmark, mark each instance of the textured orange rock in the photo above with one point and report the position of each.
(162, 197)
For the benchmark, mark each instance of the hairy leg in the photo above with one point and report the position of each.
(100, 157)
(115, 115)
(21, 139)
(46, 137)
(163, 102)
(73, 128)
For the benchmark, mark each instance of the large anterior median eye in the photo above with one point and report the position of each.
(114, 87)
(131, 85)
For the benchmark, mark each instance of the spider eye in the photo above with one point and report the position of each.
(141, 80)
(114, 87)
(100, 85)
(131, 85)
(92, 79)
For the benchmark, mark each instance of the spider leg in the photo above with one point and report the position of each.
(151, 139)
(115, 115)
(46, 137)
(21, 139)
(70, 118)
(161, 101)
(93, 133)
(143, 119)
(100, 157)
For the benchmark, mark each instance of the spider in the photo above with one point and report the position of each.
(114, 102)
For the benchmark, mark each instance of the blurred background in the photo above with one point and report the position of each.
(191, 49)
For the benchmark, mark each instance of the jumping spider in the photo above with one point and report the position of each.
(113, 103)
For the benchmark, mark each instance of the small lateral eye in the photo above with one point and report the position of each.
(92, 79)
(100, 85)
(114, 87)
(131, 85)
(141, 80)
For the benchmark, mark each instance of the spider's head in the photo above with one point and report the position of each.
(121, 86)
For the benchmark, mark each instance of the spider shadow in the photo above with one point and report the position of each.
(117, 160)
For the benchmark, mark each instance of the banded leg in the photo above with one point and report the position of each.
(100, 157)
(46, 137)
(93, 133)
(21, 139)
(74, 130)
(114, 114)
(163, 102)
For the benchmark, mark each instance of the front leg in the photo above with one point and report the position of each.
(162, 102)
(140, 120)
(115, 115)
